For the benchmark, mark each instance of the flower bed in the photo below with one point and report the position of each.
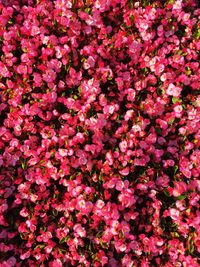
(99, 133)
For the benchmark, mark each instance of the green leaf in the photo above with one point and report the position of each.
(40, 246)
(171, 121)
(131, 3)
(158, 130)
(62, 240)
(55, 212)
(175, 168)
(144, 70)
(99, 234)
(75, 97)
(191, 248)
(176, 234)
(181, 197)
(87, 132)
(23, 236)
(132, 18)
(71, 111)
(197, 34)
(121, 235)
(174, 226)
(104, 245)
(176, 100)
(100, 177)
(23, 164)
(88, 10)
(166, 193)
(10, 21)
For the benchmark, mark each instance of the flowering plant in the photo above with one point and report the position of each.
(99, 133)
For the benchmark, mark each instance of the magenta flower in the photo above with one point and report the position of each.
(99, 134)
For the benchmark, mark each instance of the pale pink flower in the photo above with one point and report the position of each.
(123, 146)
(174, 214)
(124, 171)
(79, 230)
(179, 189)
(119, 185)
(173, 90)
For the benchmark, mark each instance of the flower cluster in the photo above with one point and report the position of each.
(99, 133)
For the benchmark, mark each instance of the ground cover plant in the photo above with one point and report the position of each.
(99, 133)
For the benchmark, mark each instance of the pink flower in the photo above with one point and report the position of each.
(123, 146)
(178, 109)
(120, 185)
(11, 261)
(179, 189)
(120, 83)
(131, 94)
(49, 76)
(186, 172)
(100, 204)
(120, 246)
(4, 70)
(56, 263)
(24, 212)
(177, 5)
(126, 261)
(79, 230)
(173, 90)
(99, 136)
(126, 198)
(30, 224)
(22, 69)
(124, 171)
(174, 214)
(89, 63)
(26, 255)
(129, 114)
